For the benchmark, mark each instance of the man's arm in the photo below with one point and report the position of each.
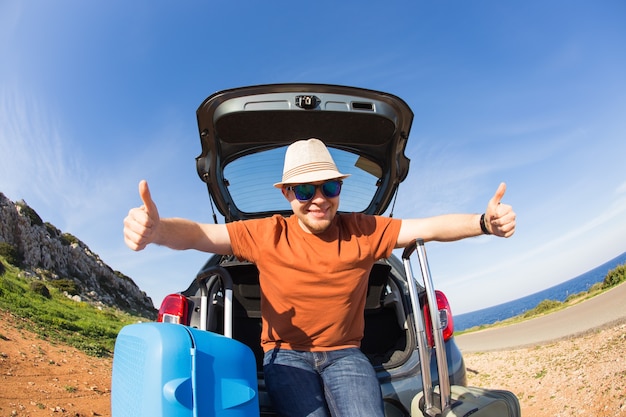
(143, 226)
(499, 220)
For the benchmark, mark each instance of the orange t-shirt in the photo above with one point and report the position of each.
(313, 287)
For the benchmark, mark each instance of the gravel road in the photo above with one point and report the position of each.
(600, 311)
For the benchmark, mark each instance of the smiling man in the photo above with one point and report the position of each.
(313, 271)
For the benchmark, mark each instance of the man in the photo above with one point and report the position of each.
(313, 271)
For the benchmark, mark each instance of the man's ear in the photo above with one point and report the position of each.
(285, 192)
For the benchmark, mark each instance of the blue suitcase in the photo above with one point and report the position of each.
(171, 370)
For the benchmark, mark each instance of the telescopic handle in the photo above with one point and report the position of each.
(437, 332)
(227, 284)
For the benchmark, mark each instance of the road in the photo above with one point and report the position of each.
(597, 312)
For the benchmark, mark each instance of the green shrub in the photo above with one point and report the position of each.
(52, 230)
(40, 288)
(95, 348)
(574, 296)
(11, 254)
(96, 331)
(67, 239)
(12, 287)
(65, 285)
(53, 321)
(32, 215)
(615, 276)
(3, 269)
(543, 307)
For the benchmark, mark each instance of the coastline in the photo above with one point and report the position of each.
(600, 311)
(584, 283)
(565, 363)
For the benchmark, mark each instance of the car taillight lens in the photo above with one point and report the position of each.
(174, 309)
(445, 316)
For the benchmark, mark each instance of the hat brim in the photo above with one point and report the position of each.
(312, 177)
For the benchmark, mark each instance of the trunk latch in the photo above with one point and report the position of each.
(307, 102)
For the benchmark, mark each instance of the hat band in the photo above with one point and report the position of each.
(307, 168)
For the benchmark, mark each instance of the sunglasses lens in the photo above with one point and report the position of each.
(331, 188)
(304, 192)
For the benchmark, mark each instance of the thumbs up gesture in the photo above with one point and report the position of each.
(500, 218)
(141, 224)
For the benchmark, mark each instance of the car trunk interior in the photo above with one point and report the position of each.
(385, 337)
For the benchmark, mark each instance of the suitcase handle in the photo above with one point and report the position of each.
(227, 282)
(437, 332)
(410, 248)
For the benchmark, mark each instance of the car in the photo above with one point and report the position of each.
(243, 135)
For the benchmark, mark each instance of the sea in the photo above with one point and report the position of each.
(559, 292)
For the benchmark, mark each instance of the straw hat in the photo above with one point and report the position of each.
(308, 161)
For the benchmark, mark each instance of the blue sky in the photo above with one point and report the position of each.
(95, 96)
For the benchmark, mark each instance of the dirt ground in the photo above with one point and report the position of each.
(38, 378)
(585, 375)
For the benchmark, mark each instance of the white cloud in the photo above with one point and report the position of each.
(88, 196)
(34, 163)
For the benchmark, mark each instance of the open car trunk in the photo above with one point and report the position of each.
(386, 341)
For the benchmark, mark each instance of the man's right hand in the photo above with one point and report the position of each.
(142, 223)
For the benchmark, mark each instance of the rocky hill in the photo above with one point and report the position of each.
(47, 254)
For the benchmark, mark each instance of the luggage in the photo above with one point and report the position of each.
(473, 401)
(446, 400)
(171, 370)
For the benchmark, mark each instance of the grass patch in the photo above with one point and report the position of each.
(56, 318)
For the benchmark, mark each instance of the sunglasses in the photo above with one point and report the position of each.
(305, 192)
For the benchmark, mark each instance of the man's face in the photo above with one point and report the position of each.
(315, 215)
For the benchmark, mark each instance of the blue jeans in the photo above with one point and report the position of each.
(339, 383)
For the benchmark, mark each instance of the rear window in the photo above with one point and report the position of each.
(251, 181)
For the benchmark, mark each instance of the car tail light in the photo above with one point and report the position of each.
(445, 316)
(174, 309)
